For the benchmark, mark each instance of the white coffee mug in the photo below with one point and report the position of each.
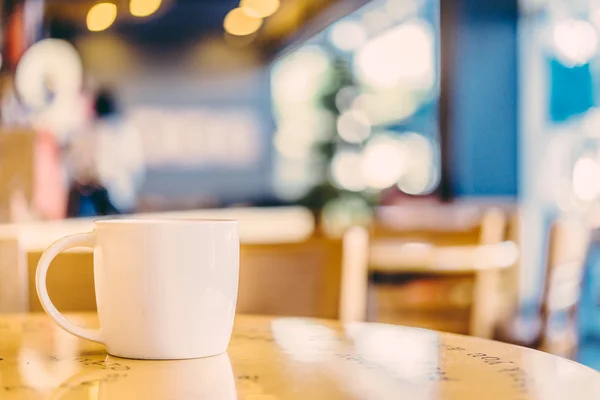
(165, 288)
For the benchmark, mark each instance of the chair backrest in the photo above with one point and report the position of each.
(355, 275)
(486, 293)
(436, 250)
(478, 251)
(300, 279)
(567, 246)
(13, 277)
(320, 277)
(17, 161)
(70, 281)
(436, 224)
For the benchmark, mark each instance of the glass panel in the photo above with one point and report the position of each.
(356, 107)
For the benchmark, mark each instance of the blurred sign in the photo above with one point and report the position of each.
(198, 137)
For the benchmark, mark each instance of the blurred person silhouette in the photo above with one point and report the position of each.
(107, 163)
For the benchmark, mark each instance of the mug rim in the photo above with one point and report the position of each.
(162, 221)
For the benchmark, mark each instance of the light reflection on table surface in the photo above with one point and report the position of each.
(287, 358)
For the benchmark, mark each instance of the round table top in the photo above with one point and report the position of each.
(288, 358)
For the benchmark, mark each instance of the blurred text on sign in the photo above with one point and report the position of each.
(197, 137)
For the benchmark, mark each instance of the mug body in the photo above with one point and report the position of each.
(166, 289)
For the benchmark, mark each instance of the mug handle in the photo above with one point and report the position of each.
(68, 242)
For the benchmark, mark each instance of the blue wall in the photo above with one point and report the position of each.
(483, 103)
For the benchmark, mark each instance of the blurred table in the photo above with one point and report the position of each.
(256, 225)
(288, 358)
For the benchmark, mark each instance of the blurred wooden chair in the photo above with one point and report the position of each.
(434, 285)
(70, 281)
(436, 224)
(567, 247)
(317, 277)
(13, 277)
(555, 330)
(486, 293)
(320, 277)
(17, 172)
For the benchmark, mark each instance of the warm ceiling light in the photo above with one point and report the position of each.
(144, 8)
(260, 8)
(101, 16)
(239, 23)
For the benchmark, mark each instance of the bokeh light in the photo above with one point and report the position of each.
(383, 163)
(586, 179)
(402, 9)
(144, 8)
(293, 142)
(49, 62)
(292, 179)
(385, 107)
(260, 8)
(239, 22)
(353, 126)
(575, 42)
(101, 17)
(595, 17)
(298, 78)
(348, 35)
(345, 97)
(418, 183)
(376, 21)
(404, 54)
(346, 171)
(297, 82)
(420, 176)
(348, 210)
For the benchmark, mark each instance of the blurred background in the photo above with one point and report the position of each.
(461, 136)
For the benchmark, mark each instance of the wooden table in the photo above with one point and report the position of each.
(288, 358)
